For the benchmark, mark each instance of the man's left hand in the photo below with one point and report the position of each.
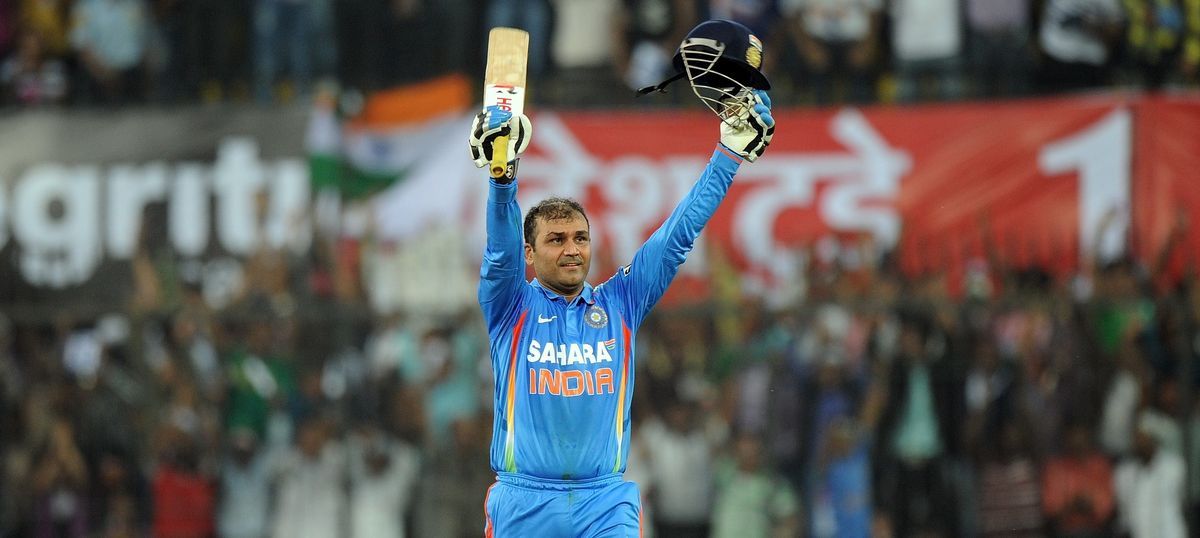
(749, 132)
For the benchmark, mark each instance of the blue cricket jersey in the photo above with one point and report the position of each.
(564, 371)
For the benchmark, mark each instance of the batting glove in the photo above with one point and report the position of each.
(493, 122)
(748, 128)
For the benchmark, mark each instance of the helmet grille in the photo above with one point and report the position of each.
(723, 94)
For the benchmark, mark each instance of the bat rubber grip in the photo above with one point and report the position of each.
(499, 156)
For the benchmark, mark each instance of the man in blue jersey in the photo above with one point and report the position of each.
(562, 350)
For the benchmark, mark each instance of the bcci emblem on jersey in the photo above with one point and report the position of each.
(596, 317)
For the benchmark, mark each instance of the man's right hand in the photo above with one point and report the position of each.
(493, 122)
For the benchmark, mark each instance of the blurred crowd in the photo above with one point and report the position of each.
(876, 403)
(586, 52)
(1019, 402)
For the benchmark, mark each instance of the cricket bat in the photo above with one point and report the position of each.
(504, 85)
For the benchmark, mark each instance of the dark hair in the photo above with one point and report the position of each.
(551, 209)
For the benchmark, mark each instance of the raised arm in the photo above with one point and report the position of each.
(502, 273)
(503, 270)
(655, 264)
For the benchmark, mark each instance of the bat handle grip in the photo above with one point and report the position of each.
(499, 156)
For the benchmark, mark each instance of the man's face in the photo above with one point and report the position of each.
(561, 253)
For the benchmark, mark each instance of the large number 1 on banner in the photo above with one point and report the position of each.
(1101, 155)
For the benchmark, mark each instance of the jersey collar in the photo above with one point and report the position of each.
(587, 295)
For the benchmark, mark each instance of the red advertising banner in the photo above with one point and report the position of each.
(1050, 182)
(1167, 183)
(1045, 182)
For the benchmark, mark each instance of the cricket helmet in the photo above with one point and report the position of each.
(722, 61)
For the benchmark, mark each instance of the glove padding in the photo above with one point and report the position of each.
(749, 131)
(493, 122)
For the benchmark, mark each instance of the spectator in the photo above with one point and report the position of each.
(581, 49)
(191, 341)
(184, 500)
(763, 19)
(189, 416)
(927, 44)
(391, 349)
(166, 46)
(916, 435)
(1077, 487)
(1077, 37)
(383, 474)
(1160, 414)
(323, 35)
(110, 38)
(213, 49)
(259, 380)
(29, 76)
(309, 400)
(117, 491)
(1124, 315)
(452, 393)
(1009, 502)
(760, 16)
(409, 24)
(311, 497)
(831, 396)
(246, 479)
(1155, 38)
(843, 492)
(1121, 403)
(647, 34)
(1149, 486)
(454, 481)
(121, 518)
(282, 31)
(363, 28)
(988, 391)
(1001, 56)
(837, 42)
(637, 471)
(534, 17)
(59, 485)
(681, 463)
(751, 500)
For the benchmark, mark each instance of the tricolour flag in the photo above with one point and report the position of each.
(397, 132)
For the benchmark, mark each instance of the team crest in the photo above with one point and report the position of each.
(754, 52)
(596, 317)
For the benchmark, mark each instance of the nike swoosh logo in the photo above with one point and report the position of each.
(545, 320)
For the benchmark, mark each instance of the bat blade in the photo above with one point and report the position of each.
(504, 83)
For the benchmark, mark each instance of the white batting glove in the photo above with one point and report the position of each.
(750, 127)
(493, 122)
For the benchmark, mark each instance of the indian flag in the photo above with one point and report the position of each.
(405, 153)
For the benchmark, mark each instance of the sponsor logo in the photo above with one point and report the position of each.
(571, 383)
(545, 320)
(569, 354)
